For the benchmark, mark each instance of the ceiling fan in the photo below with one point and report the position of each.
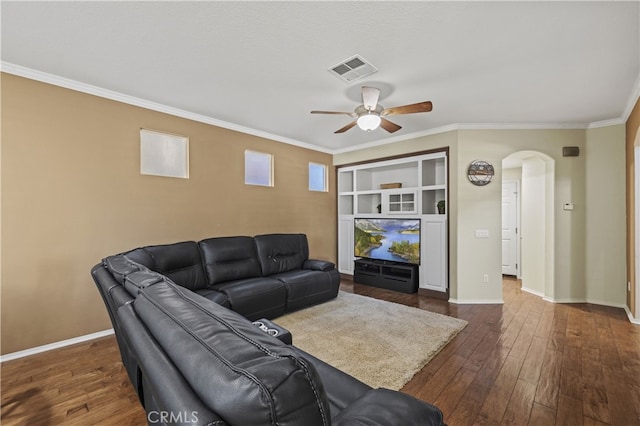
(371, 115)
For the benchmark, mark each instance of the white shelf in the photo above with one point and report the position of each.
(368, 203)
(370, 177)
(345, 204)
(424, 184)
(433, 187)
(345, 181)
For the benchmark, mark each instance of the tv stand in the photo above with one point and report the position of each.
(396, 276)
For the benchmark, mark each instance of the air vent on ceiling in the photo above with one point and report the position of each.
(352, 69)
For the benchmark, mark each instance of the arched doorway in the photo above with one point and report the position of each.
(535, 173)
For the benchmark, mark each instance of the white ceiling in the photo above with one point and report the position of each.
(262, 66)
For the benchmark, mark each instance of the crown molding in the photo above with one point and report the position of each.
(465, 126)
(605, 123)
(154, 106)
(55, 80)
(633, 99)
(399, 138)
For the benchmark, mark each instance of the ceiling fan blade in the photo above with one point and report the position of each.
(389, 126)
(370, 97)
(347, 127)
(409, 109)
(333, 112)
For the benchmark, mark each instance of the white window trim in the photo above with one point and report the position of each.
(257, 154)
(326, 177)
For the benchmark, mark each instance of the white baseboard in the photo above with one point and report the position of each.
(55, 345)
(587, 300)
(598, 302)
(567, 300)
(605, 303)
(99, 334)
(631, 318)
(534, 292)
(477, 301)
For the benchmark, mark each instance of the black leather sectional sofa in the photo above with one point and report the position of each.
(182, 314)
(258, 277)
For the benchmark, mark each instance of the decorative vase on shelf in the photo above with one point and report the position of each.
(440, 207)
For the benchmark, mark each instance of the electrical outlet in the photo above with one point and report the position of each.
(485, 278)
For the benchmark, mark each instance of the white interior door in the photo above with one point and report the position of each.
(510, 228)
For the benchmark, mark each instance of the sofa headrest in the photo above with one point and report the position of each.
(281, 252)
(181, 262)
(229, 259)
(119, 266)
(136, 281)
(241, 373)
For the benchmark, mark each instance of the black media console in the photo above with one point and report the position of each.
(384, 274)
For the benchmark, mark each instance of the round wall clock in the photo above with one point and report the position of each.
(480, 172)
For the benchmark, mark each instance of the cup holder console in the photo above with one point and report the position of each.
(274, 330)
(263, 327)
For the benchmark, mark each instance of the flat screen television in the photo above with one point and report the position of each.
(396, 240)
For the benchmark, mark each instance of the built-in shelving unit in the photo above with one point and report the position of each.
(368, 191)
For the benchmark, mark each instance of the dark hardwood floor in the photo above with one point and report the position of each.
(527, 362)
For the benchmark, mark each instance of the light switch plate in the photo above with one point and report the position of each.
(482, 233)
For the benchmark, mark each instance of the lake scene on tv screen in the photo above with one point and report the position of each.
(396, 240)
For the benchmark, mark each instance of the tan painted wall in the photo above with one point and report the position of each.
(606, 230)
(632, 128)
(480, 208)
(72, 194)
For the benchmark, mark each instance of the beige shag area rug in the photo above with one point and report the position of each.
(383, 344)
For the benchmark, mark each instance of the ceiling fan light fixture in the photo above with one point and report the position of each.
(369, 115)
(369, 121)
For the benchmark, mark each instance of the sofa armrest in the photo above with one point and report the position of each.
(318, 265)
(382, 407)
(342, 389)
